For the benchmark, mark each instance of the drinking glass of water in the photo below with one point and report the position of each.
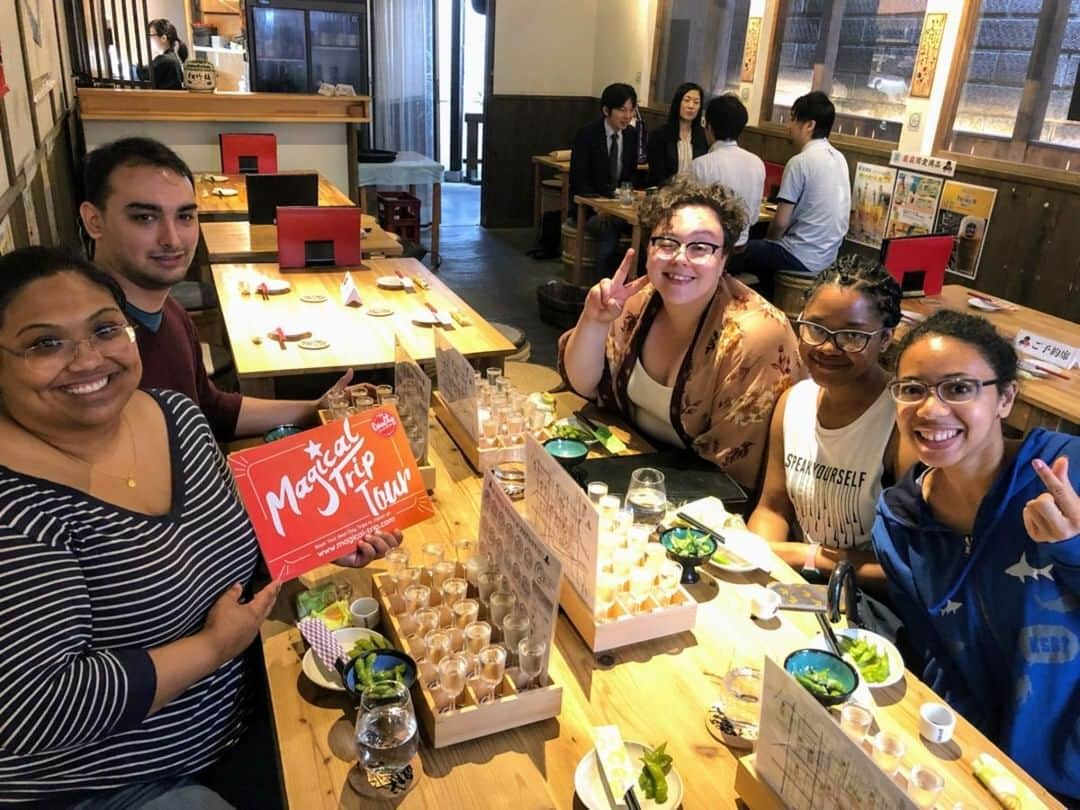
(386, 738)
(647, 496)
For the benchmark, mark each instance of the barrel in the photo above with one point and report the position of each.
(588, 252)
(788, 292)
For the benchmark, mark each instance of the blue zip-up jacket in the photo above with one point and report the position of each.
(995, 616)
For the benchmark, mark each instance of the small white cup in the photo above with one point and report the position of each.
(764, 603)
(364, 612)
(937, 722)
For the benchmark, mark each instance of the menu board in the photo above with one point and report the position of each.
(457, 385)
(914, 204)
(313, 496)
(805, 757)
(413, 390)
(564, 517)
(535, 573)
(871, 194)
(965, 212)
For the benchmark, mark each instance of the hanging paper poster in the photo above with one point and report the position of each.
(915, 202)
(3, 84)
(750, 49)
(922, 78)
(965, 213)
(871, 194)
(312, 496)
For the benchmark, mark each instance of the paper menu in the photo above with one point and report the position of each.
(457, 386)
(412, 386)
(613, 762)
(535, 573)
(804, 755)
(564, 518)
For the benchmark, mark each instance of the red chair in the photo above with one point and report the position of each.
(248, 152)
(774, 173)
(918, 263)
(326, 236)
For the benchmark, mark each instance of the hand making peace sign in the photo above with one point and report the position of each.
(605, 300)
(1055, 515)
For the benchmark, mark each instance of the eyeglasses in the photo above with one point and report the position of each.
(56, 353)
(851, 341)
(954, 390)
(666, 248)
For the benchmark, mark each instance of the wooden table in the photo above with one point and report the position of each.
(215, 208)
(244, 242)
(357, 340)
(655, 691)
(1046, 402)
(562, 174)
(627, 213)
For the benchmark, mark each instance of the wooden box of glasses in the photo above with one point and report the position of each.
(512, 704)
(621, 624)
(482, 459)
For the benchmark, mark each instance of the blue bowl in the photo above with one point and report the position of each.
(689, 564)
(568, 452)
(384, 660)
(280, 432)
(801, 662)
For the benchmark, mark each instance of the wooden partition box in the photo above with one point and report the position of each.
(621, 627)
(481, 458)
(512, 706)
(427, 469)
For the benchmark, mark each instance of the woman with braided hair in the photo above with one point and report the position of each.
(833, 439)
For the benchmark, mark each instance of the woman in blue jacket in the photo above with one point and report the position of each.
(980, 543)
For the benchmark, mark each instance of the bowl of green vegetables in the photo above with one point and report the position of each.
(827, 677)
(379, 666)
(690, 548)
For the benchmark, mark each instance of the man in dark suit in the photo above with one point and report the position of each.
(604, 154)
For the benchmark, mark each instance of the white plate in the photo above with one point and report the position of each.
(225, 192)
(984, 305)
(277, 286)
(593, 792)
(425, 317)
(896, 661)
(217, 178)
(317, 672)
(390, 282)
(751, 547)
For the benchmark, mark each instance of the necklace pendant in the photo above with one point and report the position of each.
(131, 483)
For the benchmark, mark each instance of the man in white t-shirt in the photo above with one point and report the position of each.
(728, 164)
(814, 202)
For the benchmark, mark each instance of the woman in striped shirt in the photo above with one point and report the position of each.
(123, 556)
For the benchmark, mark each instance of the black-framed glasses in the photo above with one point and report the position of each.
(666, 248)
(851, 341)
(56, 353)
(953, 390)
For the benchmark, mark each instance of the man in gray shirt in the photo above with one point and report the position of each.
(814, 202)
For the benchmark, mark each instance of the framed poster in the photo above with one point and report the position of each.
(871, 197)
(922, 79)
(965, 212)
(915, 202)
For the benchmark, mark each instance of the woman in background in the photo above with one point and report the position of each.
(833, 439)
(980, 543)
(167, 69)
(673, 146)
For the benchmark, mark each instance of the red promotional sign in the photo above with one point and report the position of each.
(312, 496)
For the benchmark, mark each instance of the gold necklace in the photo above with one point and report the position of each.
(128, 479)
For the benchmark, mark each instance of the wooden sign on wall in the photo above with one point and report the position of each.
(750, 49)
(927, 56)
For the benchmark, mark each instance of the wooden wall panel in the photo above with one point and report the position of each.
(515, 129)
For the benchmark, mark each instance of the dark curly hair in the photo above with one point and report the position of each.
(24, 266)
(870, 278)
(657, 209)
(973, 330)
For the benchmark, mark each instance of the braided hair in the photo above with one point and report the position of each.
(869, 278)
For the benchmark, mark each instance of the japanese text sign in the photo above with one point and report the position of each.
(313, 496)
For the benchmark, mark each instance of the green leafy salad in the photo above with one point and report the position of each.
(872, 662)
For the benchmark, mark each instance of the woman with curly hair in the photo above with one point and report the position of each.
(689, 355)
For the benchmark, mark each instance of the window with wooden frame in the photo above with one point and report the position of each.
(860, 52)
(700, 41)
(1019, 62)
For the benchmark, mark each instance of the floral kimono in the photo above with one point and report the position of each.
(743, 355)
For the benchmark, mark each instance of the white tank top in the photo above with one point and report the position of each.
(834, 476)
(651, 406)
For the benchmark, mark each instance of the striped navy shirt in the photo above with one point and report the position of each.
(86, 588)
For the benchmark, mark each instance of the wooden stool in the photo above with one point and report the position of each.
(516, 336)
(789, 291)
(530, 377)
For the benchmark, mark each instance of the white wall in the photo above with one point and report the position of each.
(546, 48)
(624, 45)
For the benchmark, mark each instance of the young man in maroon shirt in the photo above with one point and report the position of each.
(140, 211)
